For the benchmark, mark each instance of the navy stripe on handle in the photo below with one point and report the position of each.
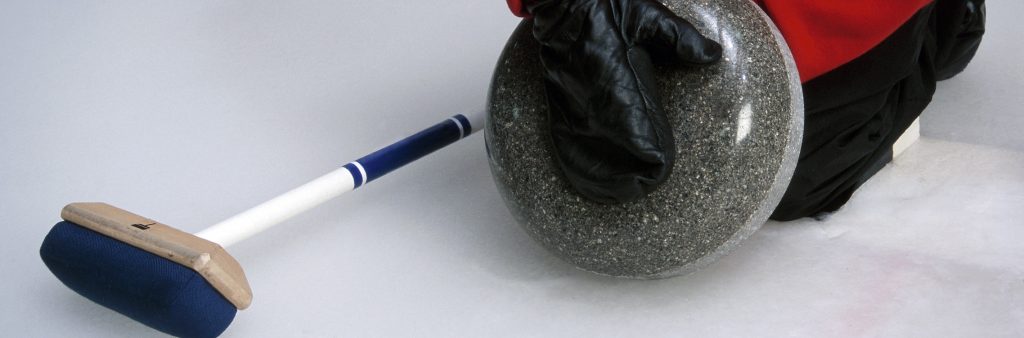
(383, 161)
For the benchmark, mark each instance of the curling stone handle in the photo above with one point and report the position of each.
(347, 178)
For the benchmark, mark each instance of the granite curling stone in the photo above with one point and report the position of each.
(737, 125)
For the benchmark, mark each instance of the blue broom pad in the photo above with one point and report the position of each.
(152, 290)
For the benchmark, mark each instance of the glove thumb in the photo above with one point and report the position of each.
(671, 39)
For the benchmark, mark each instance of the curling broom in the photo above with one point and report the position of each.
(188, 285)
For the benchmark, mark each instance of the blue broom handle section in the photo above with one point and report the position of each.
(394, 156)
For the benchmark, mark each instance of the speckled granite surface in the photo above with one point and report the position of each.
(737, 126)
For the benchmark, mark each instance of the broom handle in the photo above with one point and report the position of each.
(347, 178)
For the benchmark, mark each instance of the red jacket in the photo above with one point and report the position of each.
(824, 35)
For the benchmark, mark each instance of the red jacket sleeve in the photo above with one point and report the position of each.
(824, 35)
(518, 7)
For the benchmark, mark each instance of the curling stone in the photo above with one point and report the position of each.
(737, 126)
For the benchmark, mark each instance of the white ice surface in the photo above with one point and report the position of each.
(187, 112)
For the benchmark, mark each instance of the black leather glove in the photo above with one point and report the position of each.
(611, 136)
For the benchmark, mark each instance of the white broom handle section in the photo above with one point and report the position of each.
(344, 179)
(280, 208)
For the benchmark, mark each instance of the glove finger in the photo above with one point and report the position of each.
(670, 38)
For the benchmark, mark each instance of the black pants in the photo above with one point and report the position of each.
(855, 113)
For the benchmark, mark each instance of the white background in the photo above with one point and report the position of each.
(188, 112)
